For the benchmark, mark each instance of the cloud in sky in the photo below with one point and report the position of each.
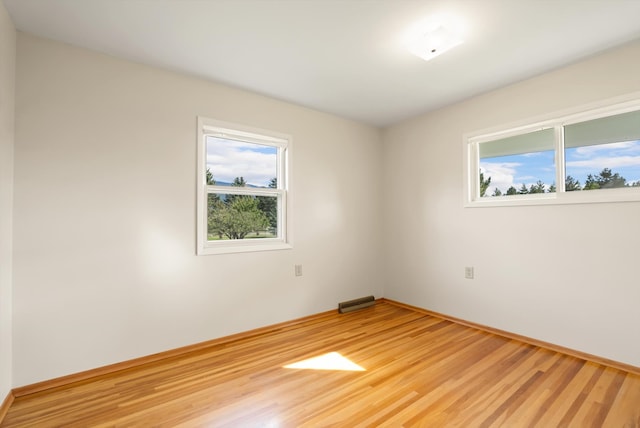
(528, 168)
(626, 147)
(597, 164)
(516, 170)
(532, 154)
(502, 174)
(623, 158)
(228, 159)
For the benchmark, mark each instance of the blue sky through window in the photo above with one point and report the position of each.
(623, 158)
(528, 168)
(515, 170)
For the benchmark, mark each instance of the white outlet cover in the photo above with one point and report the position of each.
(468, 272)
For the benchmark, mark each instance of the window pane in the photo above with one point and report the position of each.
(241, 217)
(520, 164)
(603, 166)
(230, 161)
(603, 153)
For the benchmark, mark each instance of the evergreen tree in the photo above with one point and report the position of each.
(211, 197)
(523, 189)
(484, 184)
(269, 205)
(497, 192)
(210, 179)
(591, 183)
(512, 191)
(609, 180)
(537, 188)
(571, 184)
(237, 182)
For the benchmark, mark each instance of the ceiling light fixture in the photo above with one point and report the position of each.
(433, 38)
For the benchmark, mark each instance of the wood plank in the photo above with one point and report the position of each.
(420, 370)
(6, 404)
(136, 362)
(552, 346)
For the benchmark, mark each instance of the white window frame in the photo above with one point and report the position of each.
(283, 142)
(556, 121)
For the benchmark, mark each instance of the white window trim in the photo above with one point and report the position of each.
(209, 127)
(557, 121)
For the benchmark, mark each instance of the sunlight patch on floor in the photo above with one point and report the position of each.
(330, 361)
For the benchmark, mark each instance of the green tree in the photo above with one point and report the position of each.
(211, 197)
(484, 184)
(523, 189)
(237, 182)
(269, 205)
(210, 179)
(591, 183)
(237, 218)
(512, 191)
(539, 187)
(497, 192)
(571, 184)
(552, 188)
(607, 179)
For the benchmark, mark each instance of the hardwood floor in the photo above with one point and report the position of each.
(419, 370)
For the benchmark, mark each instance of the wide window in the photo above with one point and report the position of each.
(591, 156)
(242, 188)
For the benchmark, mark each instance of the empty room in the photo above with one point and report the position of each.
(284, 213)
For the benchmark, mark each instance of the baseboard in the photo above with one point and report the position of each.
(553, 347)
(4, 408)
(137, 362)
(177, 352)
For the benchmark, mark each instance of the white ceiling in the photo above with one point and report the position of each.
(340, 56)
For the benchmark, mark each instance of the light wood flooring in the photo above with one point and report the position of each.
(420, 370)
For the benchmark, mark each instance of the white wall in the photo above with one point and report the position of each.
(104, 256)
(7, 91)
(104, 217)
(563, 274)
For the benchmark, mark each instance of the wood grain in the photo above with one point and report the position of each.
(563, 350)
(6, 404)
(421, 370)
(136, 362)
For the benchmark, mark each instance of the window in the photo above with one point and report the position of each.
(242, 188)
(591, 156)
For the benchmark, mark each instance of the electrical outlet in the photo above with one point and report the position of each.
(468, 272)
(298, 269)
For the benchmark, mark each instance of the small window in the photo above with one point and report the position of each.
(242, 187)
(558, 160)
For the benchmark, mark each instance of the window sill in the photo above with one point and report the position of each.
(566, 198)
(242, 247)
